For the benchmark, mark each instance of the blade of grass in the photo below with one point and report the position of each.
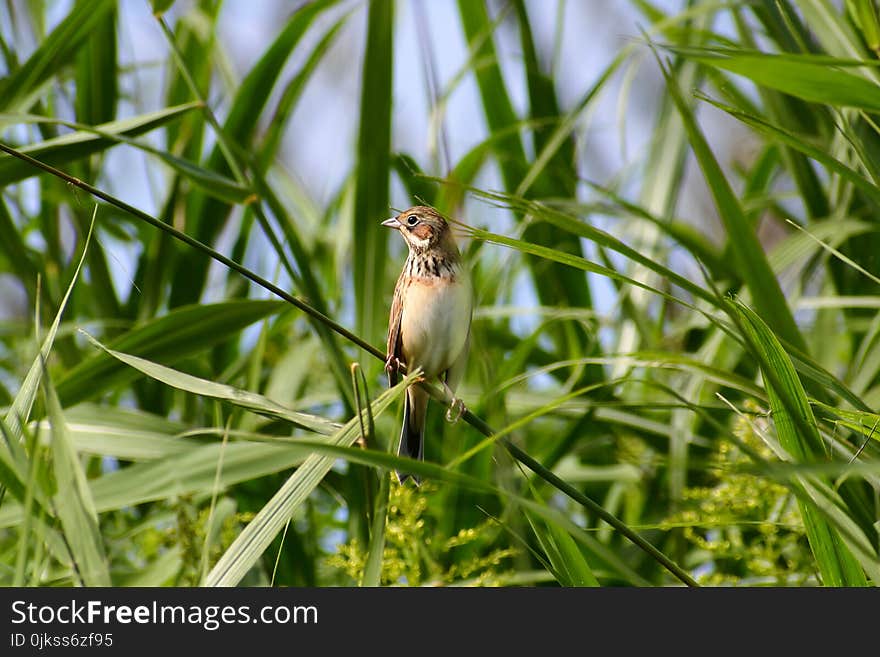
(798, 435)
(259, 533)
(800, 76)
(747, 252)
(96, 78)
(73, 502)
(20, 410)
(82, 143)
(202, 387)
(56, 51)
(178, 334)
(373, 169)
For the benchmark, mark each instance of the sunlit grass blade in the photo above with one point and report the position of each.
(73, 502)
(178, 334)
(96, 79)
(569, 566)
(20, 410)
(373, 170)
(802, 77)
(189, 472)
(249, 546)
(747, 252)
(799, 436)
(54, 53)
(76, 145)
(202, 387)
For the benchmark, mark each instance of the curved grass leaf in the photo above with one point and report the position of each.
(583, 264)
(243, 398)
(187, 473)
(748, 255)
(249, 546)
(82, 143)
(373, 169)
(73, 501)
(799, 436)
(181, 333)
(55, 52)
(804, 77)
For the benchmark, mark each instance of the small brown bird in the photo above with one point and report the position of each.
(430, 321)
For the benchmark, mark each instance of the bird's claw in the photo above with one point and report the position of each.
(455, 410)
(392, 364)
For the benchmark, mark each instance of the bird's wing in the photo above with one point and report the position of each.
(394, 349)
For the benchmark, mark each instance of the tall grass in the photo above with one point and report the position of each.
(194, 395)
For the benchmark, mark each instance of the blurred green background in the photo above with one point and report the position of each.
(671, 217)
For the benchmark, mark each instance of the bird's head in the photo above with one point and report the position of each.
(423, 229)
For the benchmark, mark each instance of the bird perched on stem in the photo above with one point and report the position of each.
(430, 321)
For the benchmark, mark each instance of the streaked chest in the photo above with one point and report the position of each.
(436, 317)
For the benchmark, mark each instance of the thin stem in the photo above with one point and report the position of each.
(196, 244)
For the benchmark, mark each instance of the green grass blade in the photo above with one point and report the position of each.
(376, 551)
(80, 144)
(800, 76)
(748, 255)
(578, 262)
(373, 171)
(497, 108)
(799, 436)
(243, 398)
(20, 410)
(569, 565)
(73, 502)
(57, 51)
(179, 334)
(556, 174)
(96, 77)
(249, 546)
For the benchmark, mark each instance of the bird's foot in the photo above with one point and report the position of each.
(392, 364)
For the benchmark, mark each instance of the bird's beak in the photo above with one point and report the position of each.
(391, 223)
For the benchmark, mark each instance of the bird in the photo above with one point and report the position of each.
(430, 320)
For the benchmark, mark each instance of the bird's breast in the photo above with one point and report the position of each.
(435, 321)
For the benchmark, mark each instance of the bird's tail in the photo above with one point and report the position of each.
(412, 433)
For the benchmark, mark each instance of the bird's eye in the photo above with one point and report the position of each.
(412, 220)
